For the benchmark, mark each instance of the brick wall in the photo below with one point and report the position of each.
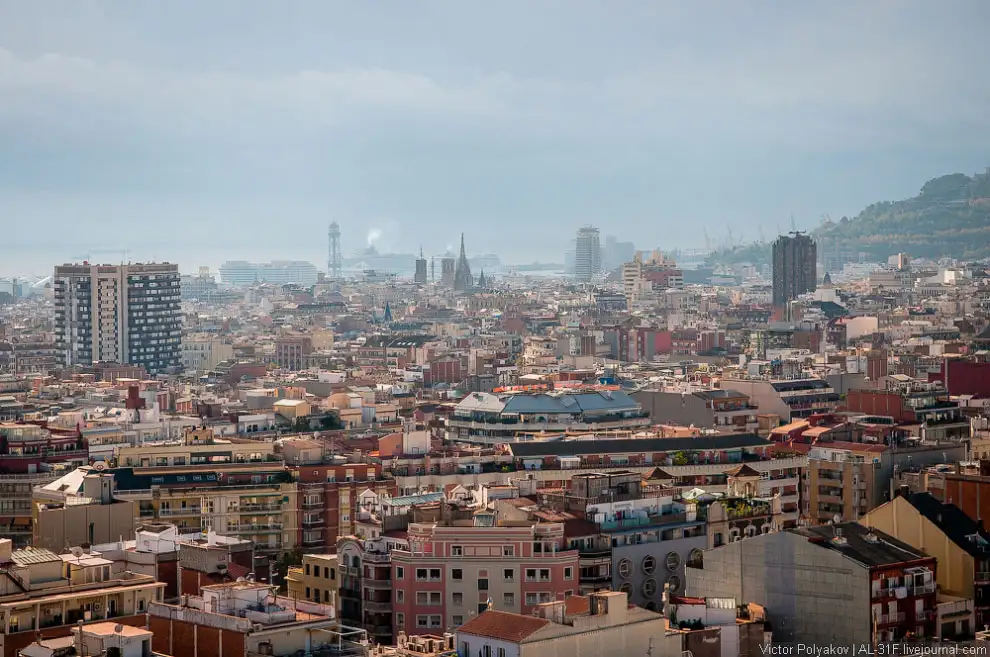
(189, 640)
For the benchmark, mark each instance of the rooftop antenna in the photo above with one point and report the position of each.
(793, 227)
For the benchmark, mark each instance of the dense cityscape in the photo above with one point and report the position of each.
(648, 328)
(633, 456)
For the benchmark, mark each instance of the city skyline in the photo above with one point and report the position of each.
(116, 123)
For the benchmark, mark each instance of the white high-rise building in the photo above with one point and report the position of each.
(126, 314)
(587, 254)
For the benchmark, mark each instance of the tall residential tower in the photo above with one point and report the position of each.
(587, 254)
(795, 267)
(126, 314)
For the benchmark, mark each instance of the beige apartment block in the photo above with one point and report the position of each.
(315, 580)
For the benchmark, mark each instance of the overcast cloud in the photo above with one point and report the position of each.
(200, 131)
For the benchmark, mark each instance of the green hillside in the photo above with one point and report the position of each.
(950, 217)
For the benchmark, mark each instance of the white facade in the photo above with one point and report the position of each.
(278, 272)
(587, 254)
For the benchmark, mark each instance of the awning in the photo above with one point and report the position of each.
(23, 522)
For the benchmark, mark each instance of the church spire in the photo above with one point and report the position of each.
(462, 271)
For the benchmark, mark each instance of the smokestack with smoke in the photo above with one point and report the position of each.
(373, 236)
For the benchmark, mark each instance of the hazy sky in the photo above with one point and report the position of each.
(197, 131)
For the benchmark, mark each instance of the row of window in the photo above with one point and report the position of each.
(508, 575)
(435, 598)
(328, 572)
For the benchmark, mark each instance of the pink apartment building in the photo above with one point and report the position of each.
(450, 572)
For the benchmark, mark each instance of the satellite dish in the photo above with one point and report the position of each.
(77, 551)
(118, 628)
(836, 519)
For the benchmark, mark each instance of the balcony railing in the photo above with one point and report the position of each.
(889, 619)
(247, 529)
(67, 454)
(187, 511)
(981, 577)
(254, 508)
(649, 521)
(371, 605)
(376, 557)
(921, 589)
(595, 553)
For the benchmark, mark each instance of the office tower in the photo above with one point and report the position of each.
(795, 268)
(334, 259)
(125, 314)
(587, 254)
(420, 276)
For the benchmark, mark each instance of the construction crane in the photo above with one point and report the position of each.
(88, 257)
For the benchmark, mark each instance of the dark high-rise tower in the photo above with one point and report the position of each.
(334, 260)
(795, 267)
(420, 276)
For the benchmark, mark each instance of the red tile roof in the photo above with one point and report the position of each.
(235, 570)
(502, 625)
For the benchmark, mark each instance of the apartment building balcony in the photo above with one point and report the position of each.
(921, 589)
(891, 619)
(375, 606)
(312, 504)
(981, 577)
(376, 557)
(258, 508)
(830, 496)
(377, 584)
(312, 542)
(949, 420)
(381, 631)
(649, 521)
(594, 558)
(268, 547)
(186, 511)
(257, 529)
(49, 454)
(599, 579)
(310, 521)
